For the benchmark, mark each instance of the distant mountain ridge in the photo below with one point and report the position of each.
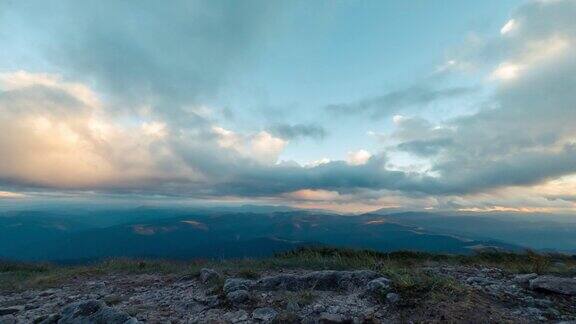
(538, 231)
(182, 233)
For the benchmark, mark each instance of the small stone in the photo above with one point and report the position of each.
(292, 306)
(49, 319)
(543, 302)
(210, 301)
(378, 286)
(327, 318)
(238, 296)
(392, 298)
(318, 308)
(236, 317)
(333, 309)
(208, 275)
(524, 278)
(265, 314)
(11, 310)
(482, 281)
(533, 311)
(232, 284)
(8, 319)
(47, 292)
(112, 299)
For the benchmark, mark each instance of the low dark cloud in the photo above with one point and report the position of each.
(297, 131)
(395, 101)
(425, 147)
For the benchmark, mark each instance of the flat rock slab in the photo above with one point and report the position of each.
(265, 314)
(565, 286)
(93, 311)
(328, 280)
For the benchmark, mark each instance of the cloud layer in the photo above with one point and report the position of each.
(128, 112)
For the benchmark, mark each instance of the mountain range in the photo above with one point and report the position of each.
(256, 231)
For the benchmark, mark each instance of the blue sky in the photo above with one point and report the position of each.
(322, 53)
(346, 105)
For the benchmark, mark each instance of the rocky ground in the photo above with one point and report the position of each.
(462, 294)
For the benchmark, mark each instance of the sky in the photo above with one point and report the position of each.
(344, 105)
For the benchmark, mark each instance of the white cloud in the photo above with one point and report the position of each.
(266, 148)
(508, 27)
(316, 163)
(262, 146)
(359, 157)
(506, 71)
(23, 79)
(397, 119)
(10, 195)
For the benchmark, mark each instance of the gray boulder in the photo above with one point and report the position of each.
(11, 310)
(237, 317)
(8, 319)
(392, 298)
(48, 319)
(378, 286)
(327, 318)
(565, 286)
(524, 278)
(292, 306)
(238, 296)
(265, 314)
(328, 280)
(208, 275)
(233, 284)
(281, 282)
(93, 311)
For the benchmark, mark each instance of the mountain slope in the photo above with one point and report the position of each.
(182, 234)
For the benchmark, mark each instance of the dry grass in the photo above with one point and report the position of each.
(401, 266)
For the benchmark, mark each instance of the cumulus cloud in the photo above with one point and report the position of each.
(164, 56)
(526, 136)
(359, 157)
(55, 135)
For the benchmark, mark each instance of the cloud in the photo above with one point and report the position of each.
(126, 114)
(163, 56)
(84, 147)
(525, 136)
(11, 195)
(297, 131)
(425, 147)
(79, 146)
(261, 146)
(396, 101)
(359, 157)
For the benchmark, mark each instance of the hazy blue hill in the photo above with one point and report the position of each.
(539, 231)
(212, 233)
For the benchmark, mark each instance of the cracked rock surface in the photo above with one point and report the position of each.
(296, 296)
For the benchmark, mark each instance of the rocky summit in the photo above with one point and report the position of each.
(433, 293)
